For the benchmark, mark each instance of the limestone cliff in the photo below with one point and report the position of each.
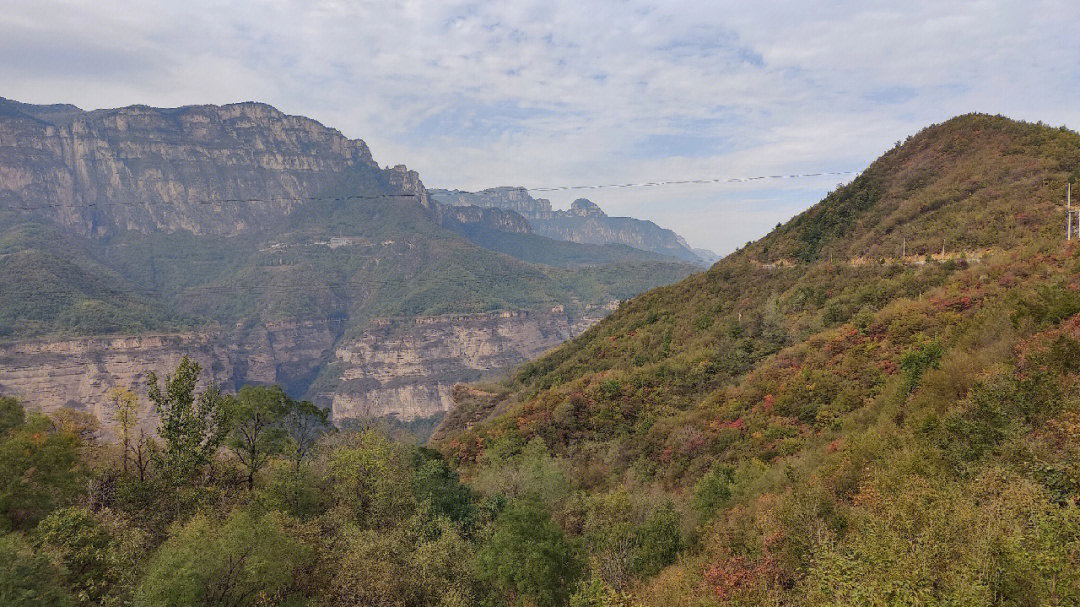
(205, 169)
(405, 367)
(503, 220)
(408, 367)
(77, 372)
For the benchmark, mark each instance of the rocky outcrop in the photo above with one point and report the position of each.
(503, 220)
(408, 367)
(78, 372)
(584, 222)
(583, 207)
(510, 198)
(403, 367)
(207, 169)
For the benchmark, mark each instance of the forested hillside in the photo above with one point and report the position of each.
(876, 403)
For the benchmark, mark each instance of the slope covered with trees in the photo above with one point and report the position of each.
(841, 412)
(253, 499)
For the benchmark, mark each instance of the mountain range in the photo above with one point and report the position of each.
(877, 403)
(583, 222)
(275, 250)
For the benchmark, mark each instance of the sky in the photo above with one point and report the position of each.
(551, 93)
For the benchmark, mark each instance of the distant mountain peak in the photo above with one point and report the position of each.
(584, 222)
(583, 207)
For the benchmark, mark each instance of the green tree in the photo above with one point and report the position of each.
(529, 556)
(11, 414)
(438, 485)
(412, 564)
(916, 361)
(713, 491)
(255, 432)
(243, 560)
(98, 558)
(303, 423)
(124, 407)
(658, 540)
(191, 427)
(365, 474)
(39, 470)
(28, 579)
(630, 535)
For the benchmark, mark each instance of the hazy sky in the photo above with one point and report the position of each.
(552, 93)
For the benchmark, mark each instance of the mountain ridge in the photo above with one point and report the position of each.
(584, 222)
(841, 413)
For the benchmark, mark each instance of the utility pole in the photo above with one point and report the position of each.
(1068, 211)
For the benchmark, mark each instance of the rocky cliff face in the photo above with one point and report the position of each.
(78, 372)
(510, 198)
(205, 169)
(397, 367)
(408, 367)
(584, 222)
(503, 220)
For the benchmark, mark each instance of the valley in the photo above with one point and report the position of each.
(875, 403)
(250, 358)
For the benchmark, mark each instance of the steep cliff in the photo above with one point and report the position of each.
(402, 367)
(205, 169)
(408, 367)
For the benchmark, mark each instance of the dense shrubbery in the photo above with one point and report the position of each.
(253, 499)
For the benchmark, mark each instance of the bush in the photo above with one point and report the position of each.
(28, 579)
(713, 491)
(243, 560)
(530, 557)
(916, 361)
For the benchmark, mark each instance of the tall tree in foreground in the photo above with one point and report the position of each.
(255, 431)
(303, 422)
(191, 427)
(124, 405)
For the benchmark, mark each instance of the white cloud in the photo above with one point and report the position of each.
(478, 94)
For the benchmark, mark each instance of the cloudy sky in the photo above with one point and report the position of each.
(553, 93)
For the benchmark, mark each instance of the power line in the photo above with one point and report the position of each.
(653, 184)
(559, 188)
